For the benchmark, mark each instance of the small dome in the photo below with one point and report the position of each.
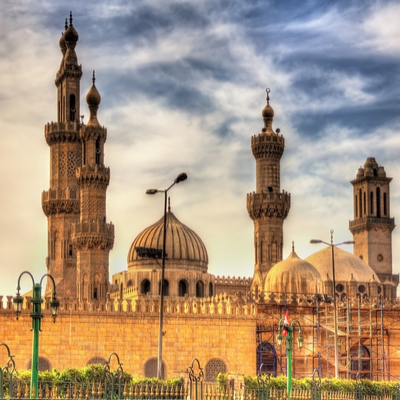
(268, 112)
(184, 248)
(93, 97)
(70, 34)
(346, 265)
(93, 100)
(293, 275)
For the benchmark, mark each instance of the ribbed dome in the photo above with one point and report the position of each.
(184, 248)
(345, 265)
(293, 275)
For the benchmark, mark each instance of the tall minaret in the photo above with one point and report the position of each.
(372, 226)
(92, 236)
(267, 206)
(61, 202)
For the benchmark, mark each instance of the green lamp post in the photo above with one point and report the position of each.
(289, 347)
(36, 316)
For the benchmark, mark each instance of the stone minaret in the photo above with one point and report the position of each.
(267, 206)
(372, 226)
(61, 202)
(92, 236)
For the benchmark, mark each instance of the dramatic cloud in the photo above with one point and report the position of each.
(183, 85)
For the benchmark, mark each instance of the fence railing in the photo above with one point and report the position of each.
(111, 385)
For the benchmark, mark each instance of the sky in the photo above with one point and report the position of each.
(183, 86)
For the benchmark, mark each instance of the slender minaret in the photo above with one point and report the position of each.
(92, 236)
(267, 206)
(372, 225)
(61, 202)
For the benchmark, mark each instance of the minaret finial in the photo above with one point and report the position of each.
(66, 23)
(169, 204)
(268, 90)
(94, 77)
(292, 246)
(70, 18)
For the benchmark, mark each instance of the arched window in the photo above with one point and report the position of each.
(378, 202)
(199, 289)
(72, 107)
(95, 293)
(44, 364)
(213, 368)
(384, 204)
(98, 151)
(150, 368)
(130, 283)
(365, 204)
(266, 356)
(145, 286)
(70, 250)
(211, 290)
(97, 360)
(166, 288)
(371, 202)
(360, 200)
(356, 205)
(360, 361)
(182, 288)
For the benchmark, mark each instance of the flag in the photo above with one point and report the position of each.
(286, 323)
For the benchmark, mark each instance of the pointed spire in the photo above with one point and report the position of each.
(93, 77)
(66, 24)
(70, 18)
(292, 246)
(169, 204)
(267, 90)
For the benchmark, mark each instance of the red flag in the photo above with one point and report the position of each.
(286, 323)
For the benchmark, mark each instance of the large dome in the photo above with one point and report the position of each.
(293, 275)
(346, 265)
(184, 248)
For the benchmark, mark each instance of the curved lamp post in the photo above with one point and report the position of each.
(335, 317)
(181, 177)
(36, 316)
(289, 347)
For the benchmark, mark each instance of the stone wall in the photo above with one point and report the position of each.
(205, 330)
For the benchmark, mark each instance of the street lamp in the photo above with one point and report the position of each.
(181, 177)
(36, 316)
(335, 322)
(289, 347)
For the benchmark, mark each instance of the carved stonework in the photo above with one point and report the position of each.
(52, 207)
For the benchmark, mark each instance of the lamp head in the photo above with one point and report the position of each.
(181, 177)
(17, 304)
(279, 339)
(349, 242)
(315, 241)
(300, 341)
(151, 191)
(54, 304)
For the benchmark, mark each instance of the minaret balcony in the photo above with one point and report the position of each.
(60, 201)
(268, 204)
(60, 132)
(93, 234)
(89, 175)
(371, 222)
(268, 146)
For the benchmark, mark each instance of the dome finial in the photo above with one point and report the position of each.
(292, 246)
(66, 24)
(93, 77)
(70, 18)
(268, 90)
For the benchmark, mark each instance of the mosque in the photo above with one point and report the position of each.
(229, 324)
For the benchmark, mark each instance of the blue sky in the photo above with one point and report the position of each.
(183, 85)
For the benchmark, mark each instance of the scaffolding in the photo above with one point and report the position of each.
(368, 337)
